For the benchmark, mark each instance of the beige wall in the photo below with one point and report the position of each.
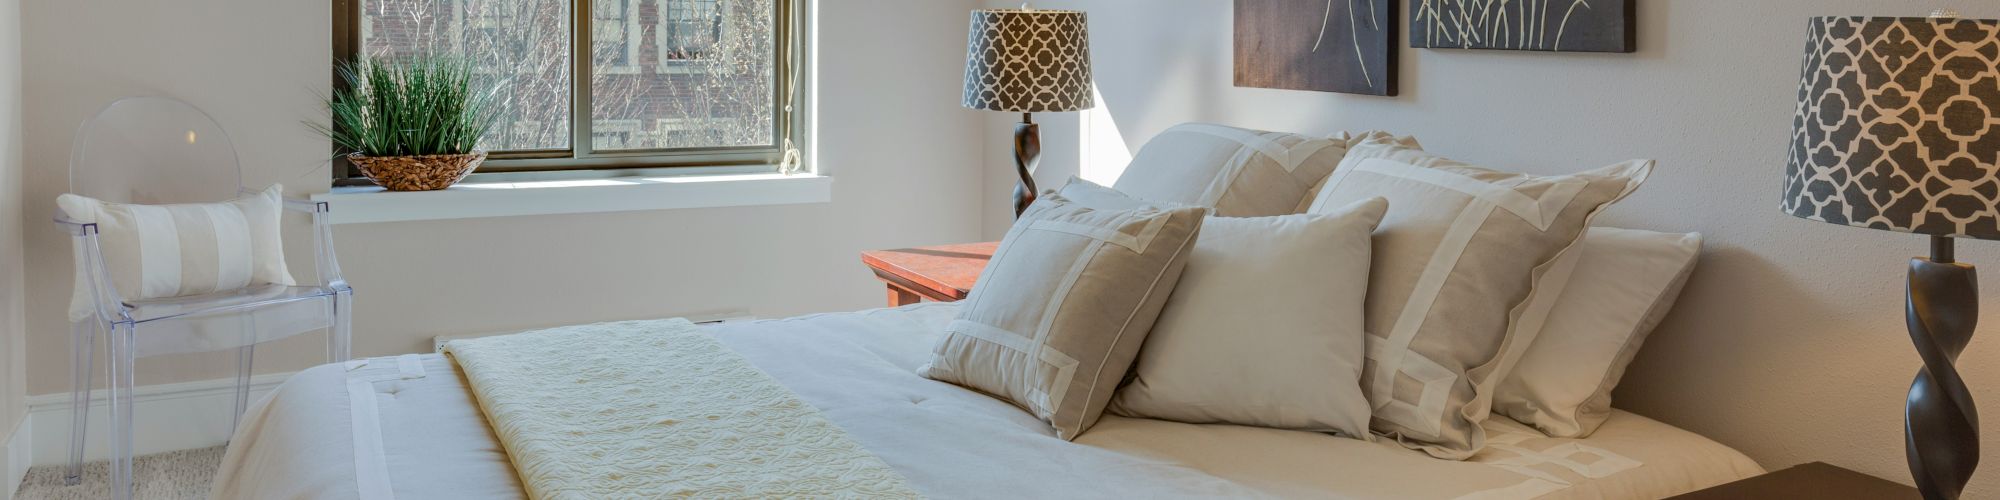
(1789, 342)
(13, 327)
(890, 133)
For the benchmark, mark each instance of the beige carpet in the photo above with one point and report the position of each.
(173, 475)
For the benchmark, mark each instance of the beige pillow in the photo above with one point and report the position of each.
(1625, 282)
(1238, 172)
(1264, 328)
(1351, 141)
(160, 251)
(1455, 262)
(1063, 306)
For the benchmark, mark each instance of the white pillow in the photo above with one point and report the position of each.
(1265, 326)
(1238, 172)
(1624, 284)
(160, 251)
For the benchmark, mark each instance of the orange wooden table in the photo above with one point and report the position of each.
(943, 273)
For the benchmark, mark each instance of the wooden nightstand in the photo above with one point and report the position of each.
(1816, 480)
(942, 273)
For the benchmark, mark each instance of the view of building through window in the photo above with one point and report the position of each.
(665, 74)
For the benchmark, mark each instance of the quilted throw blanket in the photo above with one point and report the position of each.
(647, 409)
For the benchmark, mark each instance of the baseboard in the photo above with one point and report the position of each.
(18, 457)
(166, 417)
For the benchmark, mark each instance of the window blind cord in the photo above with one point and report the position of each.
(792, 162)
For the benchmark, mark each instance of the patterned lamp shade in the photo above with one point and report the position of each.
(1028, 61)
(1898, 126)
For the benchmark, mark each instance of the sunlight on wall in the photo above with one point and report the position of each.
(1101, 147)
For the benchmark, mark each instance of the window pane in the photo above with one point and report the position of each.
(521, 45)
(683, 73)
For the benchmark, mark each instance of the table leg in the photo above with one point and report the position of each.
(900, 297)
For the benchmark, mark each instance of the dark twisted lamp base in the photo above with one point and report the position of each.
(1027, 153)
(1940, 425)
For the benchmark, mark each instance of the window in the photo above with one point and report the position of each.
(687, 29)
(647, 84)
(615, 35)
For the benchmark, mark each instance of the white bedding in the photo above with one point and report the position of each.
(407, 427)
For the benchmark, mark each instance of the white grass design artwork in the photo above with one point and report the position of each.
(1520, 24)
(1345, 46)
(1353, 28)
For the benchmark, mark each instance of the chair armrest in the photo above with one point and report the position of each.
(88, 257)
(323, 255)
(305, 206)
(75, 227)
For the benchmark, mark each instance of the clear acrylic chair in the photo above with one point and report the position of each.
(156, 150)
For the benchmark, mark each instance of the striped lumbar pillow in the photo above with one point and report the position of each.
(158, 251)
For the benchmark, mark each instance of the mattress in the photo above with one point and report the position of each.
(406, 427)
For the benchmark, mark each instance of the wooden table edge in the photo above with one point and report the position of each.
(911, 279)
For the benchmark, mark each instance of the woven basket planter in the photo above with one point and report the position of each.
(417, 173)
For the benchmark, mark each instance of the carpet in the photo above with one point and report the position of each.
(173, 475)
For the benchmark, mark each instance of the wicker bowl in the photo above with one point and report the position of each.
(417, 173)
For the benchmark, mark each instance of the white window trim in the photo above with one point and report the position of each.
(360, 205)
(671, 66)
(631, 66)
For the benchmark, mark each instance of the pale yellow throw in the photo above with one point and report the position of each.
(648, 409)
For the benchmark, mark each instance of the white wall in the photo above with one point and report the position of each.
(1789, 341)
(890, 133)
(13, 327)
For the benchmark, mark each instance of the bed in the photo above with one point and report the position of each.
(407, 427)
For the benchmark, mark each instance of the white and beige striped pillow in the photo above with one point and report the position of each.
(159, 251)
(1236, 171)
(1064, 305)
(1457, 260)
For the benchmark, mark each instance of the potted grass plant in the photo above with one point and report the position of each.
(412, 124)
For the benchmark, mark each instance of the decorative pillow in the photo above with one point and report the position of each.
(1351, 141)
(1625, 282)
(1456, 260)
(1265, 327)
(1238, 172)
(1063, 306)
(159, 251)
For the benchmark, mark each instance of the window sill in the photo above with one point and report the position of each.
(361, 205)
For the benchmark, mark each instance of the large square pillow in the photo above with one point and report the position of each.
(1625, 282)
(160, 251)
(1062, 308)
(1238, 172)
(1456, 259)
(1265, 326)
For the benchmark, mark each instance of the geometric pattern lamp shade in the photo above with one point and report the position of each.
(1028, 61)
(1898, 126)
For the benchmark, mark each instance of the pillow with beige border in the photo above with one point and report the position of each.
(1457, 258)
(1064, 304)
(1625, 282)
(1237, 171)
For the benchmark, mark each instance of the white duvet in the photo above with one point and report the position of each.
(407, 428)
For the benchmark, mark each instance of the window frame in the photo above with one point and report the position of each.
(581, 160)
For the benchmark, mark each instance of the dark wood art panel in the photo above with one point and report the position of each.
(1545, 25)
(1322, 45)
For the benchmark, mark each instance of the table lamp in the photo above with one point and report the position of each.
(1028, 61)
(1898, 128)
